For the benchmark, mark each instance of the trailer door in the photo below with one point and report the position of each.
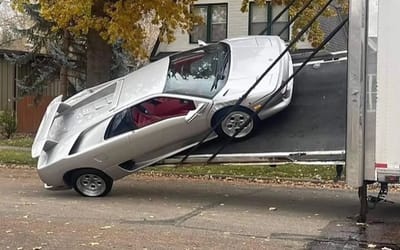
(388, 95)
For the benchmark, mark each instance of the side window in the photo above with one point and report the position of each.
(121, 123)
(158, 109)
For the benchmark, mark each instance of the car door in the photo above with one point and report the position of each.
(166, 124)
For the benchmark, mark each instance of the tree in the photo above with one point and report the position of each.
(106, 22)
(315, 35)
(54, 55)
(10, 21)
(103, 26)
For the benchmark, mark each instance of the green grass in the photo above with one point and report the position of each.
(16, 157)
(17, 141)
(287, 171)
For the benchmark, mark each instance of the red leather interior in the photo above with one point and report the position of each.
(159, 109)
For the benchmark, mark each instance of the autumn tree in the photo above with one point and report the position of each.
(101, 24)
(53, 56)
(106, 22)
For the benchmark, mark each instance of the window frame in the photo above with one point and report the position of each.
(208, 22)
(269, 10)
(111, 132)
(129, 119)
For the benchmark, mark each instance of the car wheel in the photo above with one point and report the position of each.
(234, 120)
(91, 182)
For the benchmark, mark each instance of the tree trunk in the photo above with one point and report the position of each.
(99, 60)
(64, 70)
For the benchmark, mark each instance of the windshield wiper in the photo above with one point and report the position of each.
(220, 75)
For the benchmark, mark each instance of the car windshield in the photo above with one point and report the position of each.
(200, 72)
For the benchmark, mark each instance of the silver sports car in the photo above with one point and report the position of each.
(109, 131)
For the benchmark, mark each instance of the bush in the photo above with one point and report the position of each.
(8, 124)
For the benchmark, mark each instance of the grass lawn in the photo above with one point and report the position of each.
(16, 157)
(17, 141)
(287, 171)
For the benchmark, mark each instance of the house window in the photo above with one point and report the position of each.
(260, 16)
(214, 27)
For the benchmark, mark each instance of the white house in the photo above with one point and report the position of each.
(224, 19)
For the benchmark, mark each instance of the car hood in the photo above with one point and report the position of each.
(250, 57)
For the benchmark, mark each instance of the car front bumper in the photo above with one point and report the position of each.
(49, 187)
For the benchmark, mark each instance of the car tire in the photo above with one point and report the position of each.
(91, 182)
(232, 120)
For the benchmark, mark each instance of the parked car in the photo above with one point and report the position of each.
(109, 131)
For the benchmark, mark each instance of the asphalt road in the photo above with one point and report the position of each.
(314, 121)
(145, 212)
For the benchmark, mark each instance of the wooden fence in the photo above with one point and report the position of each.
(29, 111)
(7, 86)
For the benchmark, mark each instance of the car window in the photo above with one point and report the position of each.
(201, 72)
(146, 113)
(158, 109)
(121, 123)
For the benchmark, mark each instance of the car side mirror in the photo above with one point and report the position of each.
(201, 43)
(192, 114)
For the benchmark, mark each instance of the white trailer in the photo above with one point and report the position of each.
(373, 115)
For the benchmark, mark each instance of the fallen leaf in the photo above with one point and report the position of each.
(30, 203)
